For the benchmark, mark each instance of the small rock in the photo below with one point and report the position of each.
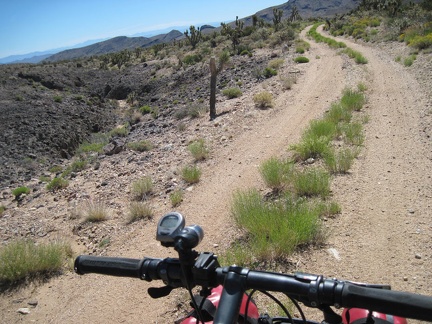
(418, 256)
(33, 303)
(23, 310)
(405, 278)
(310, 161)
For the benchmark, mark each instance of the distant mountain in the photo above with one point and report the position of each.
(36, 57)
(114, 45)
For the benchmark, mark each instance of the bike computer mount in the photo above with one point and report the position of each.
(169, 227)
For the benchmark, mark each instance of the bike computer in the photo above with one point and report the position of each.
(169, 227)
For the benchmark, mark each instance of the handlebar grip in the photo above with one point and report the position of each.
(122, 267)
(396, 303)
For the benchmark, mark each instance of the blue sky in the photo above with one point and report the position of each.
(37, 25)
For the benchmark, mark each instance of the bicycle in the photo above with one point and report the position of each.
(223, 298)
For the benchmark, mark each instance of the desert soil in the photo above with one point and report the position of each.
(383, 235)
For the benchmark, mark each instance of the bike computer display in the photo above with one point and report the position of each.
(169, 227)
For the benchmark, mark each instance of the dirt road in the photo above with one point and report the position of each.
(384, 234)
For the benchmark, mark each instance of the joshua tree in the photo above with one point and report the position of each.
(223, 60)
(391, 6)
(277, 19)
(194, 37)
(233, 33)
(295, 15)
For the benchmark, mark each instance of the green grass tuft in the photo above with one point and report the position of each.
(198, 149)
(140, 210)
(23, 259)
(191, 174)
(141, 188)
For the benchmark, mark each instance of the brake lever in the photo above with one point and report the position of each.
(158, 292)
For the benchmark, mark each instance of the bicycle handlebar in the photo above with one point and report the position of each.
(312, 290)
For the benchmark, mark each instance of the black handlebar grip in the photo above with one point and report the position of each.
(396, 303)
(121, 267)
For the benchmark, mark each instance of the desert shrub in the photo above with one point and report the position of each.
(311, 146)
(95, 211)
(55, 169)
(421, 42)
(353, 100)
(145, 109)
(357, 56)
(140, 210)
(58, 99)
(141, 188)
(274, 228)
(121, 131)
(288, 82)
(319, 128)
(269, 72)
(57, 184)
(300, 50)
(191, 174)
(263, 100)
(353, 133)
(329, 209)
(311, 183)
(198, 149)
(192, 59)
(361, 87)
(276, 64)
(302, 46)
(275, 173)
(20, 191)
(232, 93)
(338, 113)
(408, 61)
(90, 147)
(96, 143)
(301, 59)
(78, 165)
(193, 111)
(339, 161)
(140, 146)
(176, 197)
(23, 259)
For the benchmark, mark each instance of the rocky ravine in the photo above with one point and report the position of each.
(383, 234)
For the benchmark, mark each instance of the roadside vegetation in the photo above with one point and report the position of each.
(22, 260)
(290, 215)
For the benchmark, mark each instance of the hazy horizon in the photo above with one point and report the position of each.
(38, 26)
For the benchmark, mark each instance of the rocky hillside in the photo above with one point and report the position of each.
(114, 45)
(48, 110)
